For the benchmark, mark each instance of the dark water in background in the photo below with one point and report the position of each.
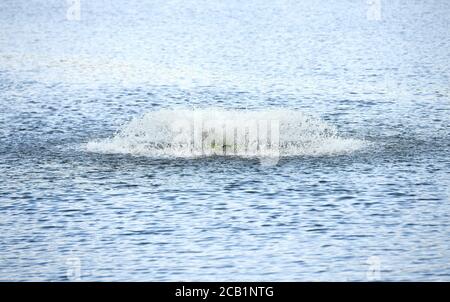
(378, 212)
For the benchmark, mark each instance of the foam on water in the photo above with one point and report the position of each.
(157, 133)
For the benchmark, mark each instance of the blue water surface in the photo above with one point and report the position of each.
(377, 213)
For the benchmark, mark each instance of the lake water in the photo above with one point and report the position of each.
(361, 90)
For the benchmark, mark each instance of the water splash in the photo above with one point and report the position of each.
(157, 133)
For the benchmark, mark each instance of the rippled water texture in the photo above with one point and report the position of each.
(91, 188)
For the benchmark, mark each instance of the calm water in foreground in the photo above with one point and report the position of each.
(80, 201)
